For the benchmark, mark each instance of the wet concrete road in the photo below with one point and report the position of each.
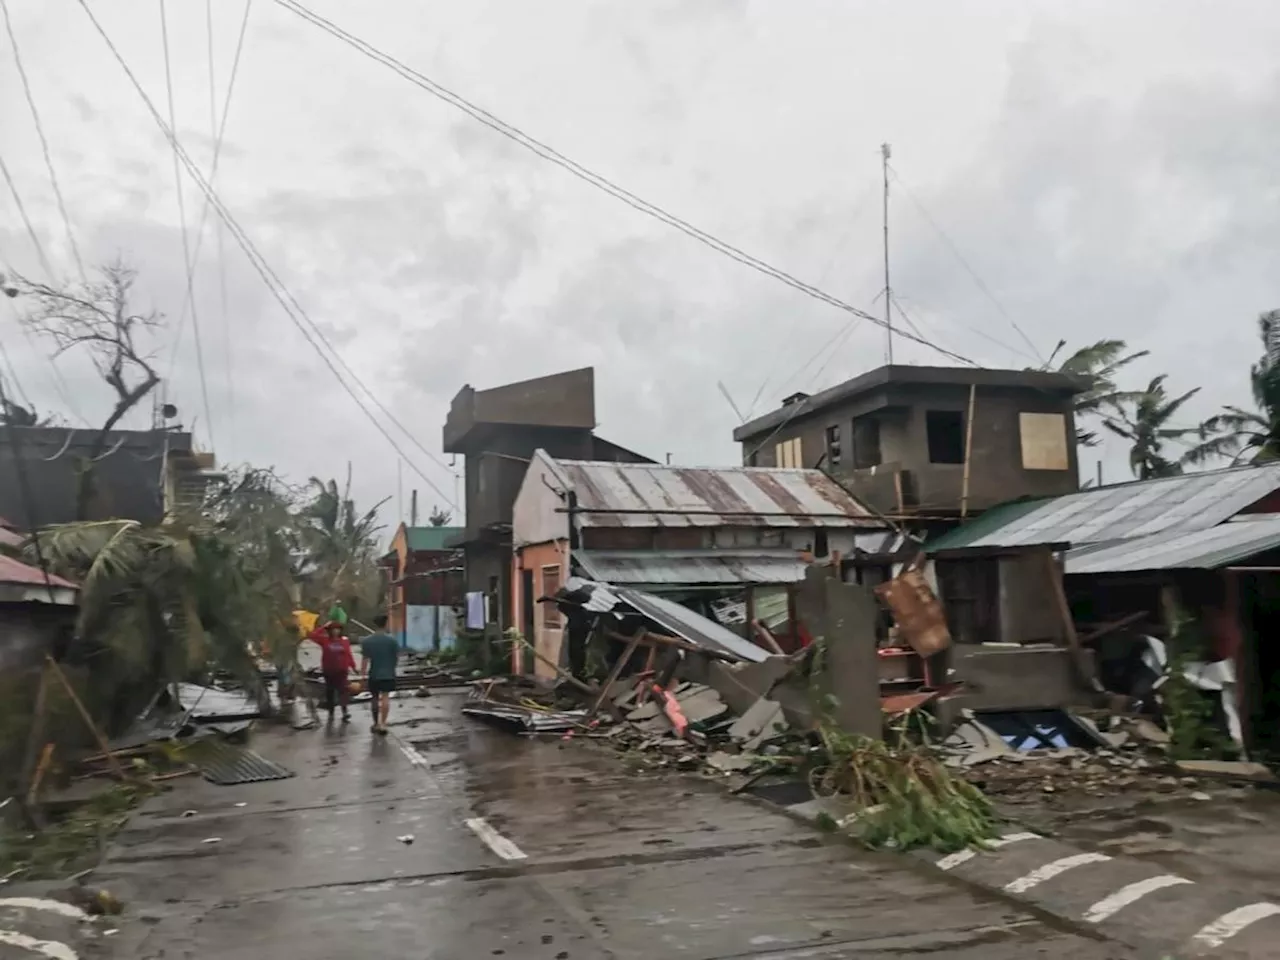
(525, 850)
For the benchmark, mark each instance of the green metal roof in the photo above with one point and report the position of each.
(983, 527)
(1125, 511)
(430, 538)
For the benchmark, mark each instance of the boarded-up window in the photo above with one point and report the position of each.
(1044, 441)
(550, 584)
(788, 454)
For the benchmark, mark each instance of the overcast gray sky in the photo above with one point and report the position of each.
(1106, 170)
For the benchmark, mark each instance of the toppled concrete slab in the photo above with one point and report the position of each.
(760, 723)
(1228, 769)
(742, 684)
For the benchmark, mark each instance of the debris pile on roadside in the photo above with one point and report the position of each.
(1034, 757)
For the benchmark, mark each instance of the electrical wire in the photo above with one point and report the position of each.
(59, 383)
(182, 222)
(44, 142)
(955, 251)
(800, 406)
(596, 180)
(306, 326)
(215, 132)
(213, 173)
(26, 220)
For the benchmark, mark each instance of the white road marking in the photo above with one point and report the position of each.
(951, 861)
(39, 903)
(1229, 924)
(1052, 869)
(411, 753)
(46, 948)
(1130, 893)
(494, 840)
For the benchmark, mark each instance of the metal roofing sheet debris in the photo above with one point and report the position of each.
(210, 703)
(15, 571)
(681, 621)
(658, 495)
(225, 764)
(659, 567)
(1193, 501)
(1209, 549)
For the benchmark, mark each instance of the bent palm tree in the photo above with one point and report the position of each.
(1146, 421)
(1097, 365)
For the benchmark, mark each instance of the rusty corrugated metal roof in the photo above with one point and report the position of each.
(682, 567)
(657, 495)
(15, 571)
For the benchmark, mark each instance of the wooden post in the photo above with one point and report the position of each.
(36, 735)
(46, 757)
(84, 715)
(616, 672)
(1083, 663)
(968, 452)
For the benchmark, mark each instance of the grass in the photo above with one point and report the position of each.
(72, 844)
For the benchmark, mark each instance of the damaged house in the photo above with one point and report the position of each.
(496, 431)
(728, 542)
(1206, 545)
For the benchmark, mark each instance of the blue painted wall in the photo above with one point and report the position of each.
(430, 628)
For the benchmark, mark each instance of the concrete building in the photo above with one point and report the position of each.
(929, 441)
(497, 432)
(425, 587)
(695, 535)
(141, 475)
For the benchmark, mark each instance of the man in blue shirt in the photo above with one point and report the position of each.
(379, 653)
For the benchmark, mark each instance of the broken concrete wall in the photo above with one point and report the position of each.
(1027, 611)
(844, 616)
(1026, 678)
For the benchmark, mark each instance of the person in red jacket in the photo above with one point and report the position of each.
(336, 662)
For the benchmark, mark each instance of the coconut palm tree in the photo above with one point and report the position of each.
(158, 605)
(341, 544)
(1146, 420)
(1097, 365)
(1256, 433)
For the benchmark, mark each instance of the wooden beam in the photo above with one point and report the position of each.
(618, 666)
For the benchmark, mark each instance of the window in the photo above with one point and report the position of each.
(1044, 441)
(753, 458)
(833, 447)
(550, 584)
(945, 429)
(788, 454)
(866, 443)
(821, 548)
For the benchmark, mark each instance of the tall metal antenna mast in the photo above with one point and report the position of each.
(885, 153)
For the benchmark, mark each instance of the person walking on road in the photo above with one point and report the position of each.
(380, 651)
(336, 663)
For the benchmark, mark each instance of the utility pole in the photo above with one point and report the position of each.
(413, 507)
(885, 153)
(400, 490)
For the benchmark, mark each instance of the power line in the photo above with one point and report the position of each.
(26, 220)
(801, 405)
(60, 385)
(213, 173)
(44, 142)
(310, 332)
(182, 222)
(228, 377)
(955, 250)
(602, 183)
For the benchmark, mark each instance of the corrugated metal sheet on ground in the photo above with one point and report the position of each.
(1227, 543)
(681, 621)
(657, 567)
(209, 703)
(1193, 501)
(709, 496)
(225, 764)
